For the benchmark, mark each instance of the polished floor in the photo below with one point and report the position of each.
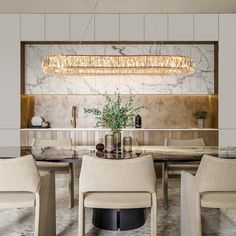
(19, 222)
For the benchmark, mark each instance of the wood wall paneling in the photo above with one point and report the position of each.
(107, 27)
(156, 27)
(9, 137)
(57, 27)
(180, 27)
(206, 27)
(227, 137)
(32, 27)
(82, 27)
(227, 74)
(143, 137)
(10, 79)
(131, 27)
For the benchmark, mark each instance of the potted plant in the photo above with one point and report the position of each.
(116, 114)
(200, 115)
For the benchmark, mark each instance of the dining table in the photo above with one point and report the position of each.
(161, 154)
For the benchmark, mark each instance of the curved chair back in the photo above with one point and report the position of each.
(51, 142)
(216, 174)
(199, 142)
(19, 174)
(99, 175)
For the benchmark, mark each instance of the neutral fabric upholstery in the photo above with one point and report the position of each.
(113, 175)
(58, 167)
(175, 168)
(214, 199)
(216, 174)
(213, 186)
(22, 186)
(118, 184)
(23, 179)
(118, 200)
(16, 199)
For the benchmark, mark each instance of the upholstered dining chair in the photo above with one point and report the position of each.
(67, 168)
(22, 186)
(175, 168)
(214, 186)
(117, 184)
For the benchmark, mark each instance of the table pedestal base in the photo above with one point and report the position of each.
(114, 219)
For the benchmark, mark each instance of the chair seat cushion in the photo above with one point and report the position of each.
(16, 199)
(52, 165)
(117, 200)
(218, 199)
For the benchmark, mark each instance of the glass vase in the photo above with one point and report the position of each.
(117, 141)
(127, 144)
(109, 143)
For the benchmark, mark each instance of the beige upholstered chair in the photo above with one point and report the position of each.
(175, 168)
(214, 186)
(117, 184)
(58, 167)
(22, 186)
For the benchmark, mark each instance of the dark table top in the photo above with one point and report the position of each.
(74, 154)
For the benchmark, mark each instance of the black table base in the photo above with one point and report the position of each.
(114, 219)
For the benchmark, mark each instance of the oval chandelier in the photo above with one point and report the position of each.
(118, 65)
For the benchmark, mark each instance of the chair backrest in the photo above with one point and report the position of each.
(216, 174)
(130, 175)
(51, 142)
(19, 174)
(199, 142)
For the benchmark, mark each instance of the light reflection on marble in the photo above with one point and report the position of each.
(16, 222)
(201, 82)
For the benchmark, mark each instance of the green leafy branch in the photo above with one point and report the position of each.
(200, 114)
(116, 114)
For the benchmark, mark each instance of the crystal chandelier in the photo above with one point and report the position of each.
(118, 65)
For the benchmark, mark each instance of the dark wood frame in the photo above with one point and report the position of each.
(215, 43)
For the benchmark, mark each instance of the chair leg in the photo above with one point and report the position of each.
(45, 210)
(71, 186)
(81, 215)
(165, 184)
(152, 220)
(190, 206)
(154, 215)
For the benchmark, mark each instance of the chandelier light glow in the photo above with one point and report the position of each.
(118, 65)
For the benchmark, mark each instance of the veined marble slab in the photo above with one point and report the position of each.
(201, 82)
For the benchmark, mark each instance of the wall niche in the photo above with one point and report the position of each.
(203, 81)
(170, 100)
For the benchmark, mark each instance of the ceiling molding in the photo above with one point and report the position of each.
(118, 6)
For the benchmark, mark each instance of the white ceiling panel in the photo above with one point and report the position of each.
(118, 6)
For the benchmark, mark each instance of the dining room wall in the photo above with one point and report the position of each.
(156, 27)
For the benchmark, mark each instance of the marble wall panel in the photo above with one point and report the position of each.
(201, 82)
(161, 111)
